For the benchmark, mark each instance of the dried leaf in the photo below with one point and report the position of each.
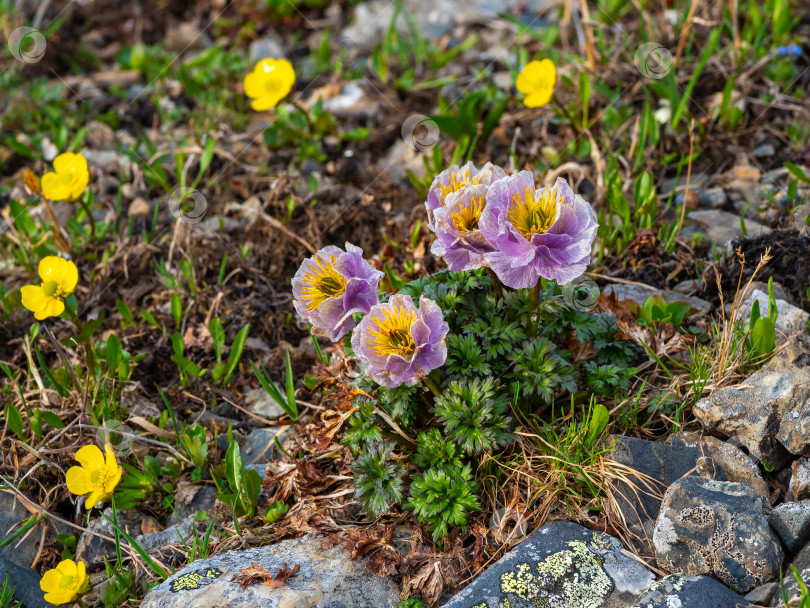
(256, 574)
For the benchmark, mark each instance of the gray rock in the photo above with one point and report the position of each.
(327, 579)
(802, 563)
(791, 521)
(684, 591)
(92, 549)
(714, 198)
(190, 498)
(790, 318)
(268, 45)
(763, 151)
(23, 550)
(658, 465)
(799, 487)
(737, 465)
(762, 595)
(434, 18)
(722, 226)
(260, 403)
(25, 582)
(259, 447)
(562, 564)
(639, 293)
(716, 528)
(770, 413)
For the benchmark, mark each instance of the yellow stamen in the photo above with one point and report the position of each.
(534, 212)
(50, 288)
(466, 218)
(322, 282)
(458, 181)
(393, 333)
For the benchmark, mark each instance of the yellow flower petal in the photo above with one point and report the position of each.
(69, 278)
(50, 580)
(53, 188)
(539, 99)
(67, 567)
(53, 308)
(262, 104)
(82, 580)
(68, 161)
(253, 85)
(33, 298)
(78, 481)
(90, 457)
(269, 82)
(63, 596)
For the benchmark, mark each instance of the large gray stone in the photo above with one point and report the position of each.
(736, 464)
(22, 551)
(684, 591)
(25, 582)
(260, 403)
(716, 528)
(769, 414)
(799, 487)
(791, 521)
(327, 579)
(658, 466)
(722, 226)
(259, 447)
(561, 565)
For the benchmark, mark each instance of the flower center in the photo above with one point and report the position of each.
(271, 84)
(534, 212)
(466, 218)
(67, 176)
(322, 282)
(66, 582)
(50, 288)
(393, 333)
(95, 477)
(458, 181)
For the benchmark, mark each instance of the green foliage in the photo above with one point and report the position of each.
(275, 512)
(442, 500)
(363, 428)
(411, 602)
(655, 310)
(239, 489)
(401, 402)
(286, 401)
(378, 479)
(433, 451)
(137, 485)
(7, 595)
(607, 379)
(539, 371)
(475, 414)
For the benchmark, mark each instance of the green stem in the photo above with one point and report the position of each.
(534, 305)
(308, 118)
(567, 114)
(80, 602)
(89, 213)
(431, 384)
(496, 284)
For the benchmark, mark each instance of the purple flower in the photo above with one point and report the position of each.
(458, 239)
(544, 232)
(400, 343)
(454, 179)
(333, 285)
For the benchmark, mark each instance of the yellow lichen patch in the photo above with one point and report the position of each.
(573, 578)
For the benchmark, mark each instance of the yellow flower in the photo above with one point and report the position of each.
(269, 83)
(536, 81)
(96, 477)
(68, 180)
(65, 583)
(59, 278)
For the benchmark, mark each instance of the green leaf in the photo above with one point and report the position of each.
(113, 352)
(597, 422)
(185, 366)
(797, 173)
(177, 310)
(237, 348)
(233, 467)
(125, 312)
(53, 420)
(217, 337)
(763, 336)
(14, 420)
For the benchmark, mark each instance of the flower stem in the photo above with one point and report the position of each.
(496, 284)
(534, 305)
(89, 213)
(308, 118)
(61, 242)
(431, 384)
